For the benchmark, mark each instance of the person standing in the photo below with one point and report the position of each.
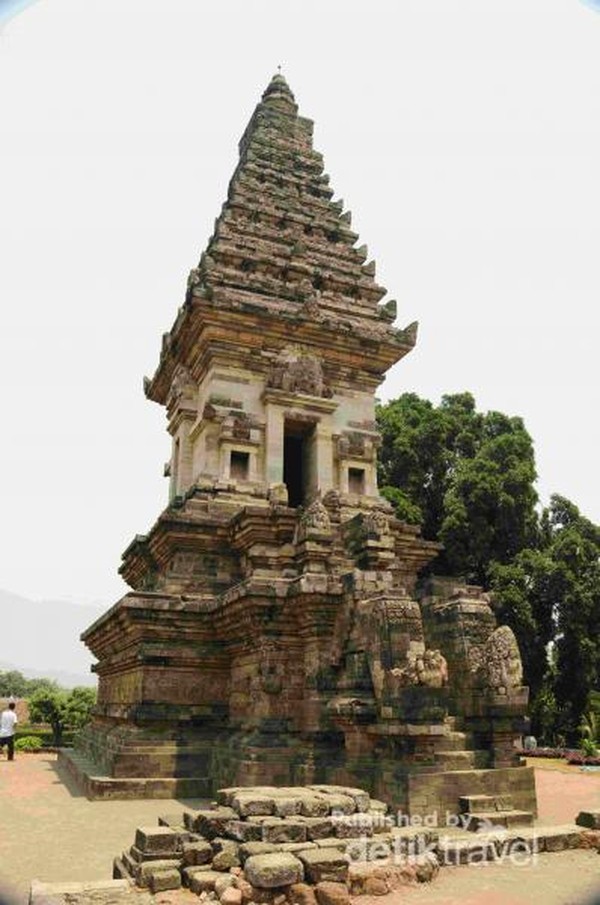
(8, 720)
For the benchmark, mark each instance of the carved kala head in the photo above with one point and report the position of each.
(296, 371)
(502, 667)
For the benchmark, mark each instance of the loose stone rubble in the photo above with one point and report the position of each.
(204, 852)
(312, 844)
(329, 864)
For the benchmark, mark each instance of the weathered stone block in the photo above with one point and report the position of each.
(226, 859)
(156, 839)
(314, 806)
(188, 872)
(558, 838)
(359, 796)
(164, 879)
(318, 827)
(366, 850)
(330, 893)
(245, 830)
(324, 864)
(253, 804)
(287, 806)
(301, 894)
(340, 804)
(331, 842)
(375, 886)
(222, 844)
(589, 819)
(426, 867)
(139, 856)
(245, 888)
(296, 846)
(197, 853)
(226, 795)
(590, 839)
(248, 849)
(288, 830)
(277, 869)
(231, 896)
(204, 881)
(353, 827)
(174, 820)
(147, 868)
(225, 881)
(100, 892)
(213, 822)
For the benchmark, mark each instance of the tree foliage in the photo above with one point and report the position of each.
(469, 479)
(62, 709)
(13, 682)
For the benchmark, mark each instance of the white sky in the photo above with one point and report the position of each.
(464, 136)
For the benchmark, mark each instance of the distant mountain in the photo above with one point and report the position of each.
(41, 638)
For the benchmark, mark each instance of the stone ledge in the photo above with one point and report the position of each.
(102, 892)
(96, 786)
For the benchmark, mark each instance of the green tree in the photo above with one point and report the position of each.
(15, 683)
(80, 703)
(50, 706)
(468, 477)
(550, 596)
(42, 684)
(62, 709)
(527, 594)
(574, 544)
(12, 682)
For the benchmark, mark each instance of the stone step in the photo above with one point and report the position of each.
(95, 784)
(83, 763)
(477, 803)
(113, 891)
(485, 820)
(120, 871)
(461, 847)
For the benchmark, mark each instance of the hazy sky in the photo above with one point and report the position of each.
(464, 136)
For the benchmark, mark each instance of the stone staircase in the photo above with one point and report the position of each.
(457, 749)
(95, 784)
(484, 812)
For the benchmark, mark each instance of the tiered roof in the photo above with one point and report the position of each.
(282, 246)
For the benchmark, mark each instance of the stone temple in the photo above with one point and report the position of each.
(277, 631)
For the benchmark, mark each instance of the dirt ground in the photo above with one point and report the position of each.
(50, 832)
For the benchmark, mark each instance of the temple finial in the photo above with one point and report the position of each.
(279, 87)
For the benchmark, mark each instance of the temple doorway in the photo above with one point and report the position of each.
(299, 472)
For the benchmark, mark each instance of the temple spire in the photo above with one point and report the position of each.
(284, 246)
(279, 89)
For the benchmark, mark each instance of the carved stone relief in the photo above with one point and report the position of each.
(299, 372)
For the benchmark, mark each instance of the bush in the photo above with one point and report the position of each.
(589, 747)
(578, 759)
(546, 752)
(29, 743)
(44, 735)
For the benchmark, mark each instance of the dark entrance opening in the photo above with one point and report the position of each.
(297, 449)
(356, 480)
(239, 466)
